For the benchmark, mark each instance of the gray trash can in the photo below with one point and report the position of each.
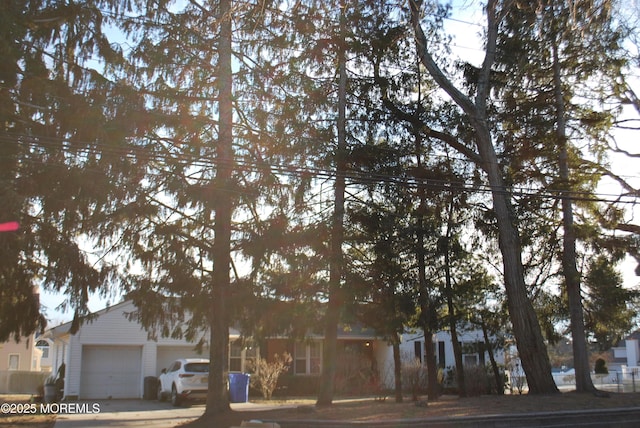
(238, 387)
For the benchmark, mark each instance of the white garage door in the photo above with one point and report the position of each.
(168, 354)
(111, 372)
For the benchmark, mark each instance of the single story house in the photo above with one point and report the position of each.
(110, 355)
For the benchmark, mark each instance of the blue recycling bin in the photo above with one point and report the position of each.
(238, 387)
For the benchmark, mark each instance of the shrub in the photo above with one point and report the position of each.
(517, 378)
(294, 385)
(354, 374)
(414, 377)
(477, 381)
(266, 374)
(601, 366)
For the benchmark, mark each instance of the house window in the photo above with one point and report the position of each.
(417, 350)
(250, 355)
(442, 358)
(14, 361)
(43, 345)
(241, 358)
(308, 358)
(481, 349)
(235, 356)
(471, 360)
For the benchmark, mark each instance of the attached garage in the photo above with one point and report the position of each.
(168, 354)
(111, 356)
(111, 372)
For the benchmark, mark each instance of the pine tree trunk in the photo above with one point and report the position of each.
(457, 348)
(494, 365)
(584, 383)
(433, 388)
(428, 317)
(336, 300)
(531, 347)
(397, 368)
(526, 328)
(218, 397)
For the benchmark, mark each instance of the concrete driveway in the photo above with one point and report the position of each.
(133, 413)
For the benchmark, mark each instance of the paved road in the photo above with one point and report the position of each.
(133, 413)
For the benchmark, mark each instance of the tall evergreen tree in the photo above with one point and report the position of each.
(217, 89)
(67, 163)
(610, 308)
(336, 264)
(561, 67)
(530, 342)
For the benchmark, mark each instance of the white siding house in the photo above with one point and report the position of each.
(474, 351)
(110, 356)
(626, 356)
(412, 346)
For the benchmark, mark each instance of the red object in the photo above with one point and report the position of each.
(9, 227)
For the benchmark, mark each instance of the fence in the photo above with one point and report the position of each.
(625, 380)
(21, 382)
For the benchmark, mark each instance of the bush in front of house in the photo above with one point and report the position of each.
(601, 366)
(266, 374)
(297, 386)
(355, 375)
(477, 381)
(414, 377)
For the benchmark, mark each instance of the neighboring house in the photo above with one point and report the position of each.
(627, 354)
(110, 356)
(20, 356)
(20, 366)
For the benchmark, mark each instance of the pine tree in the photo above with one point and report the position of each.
(530, 342)
(562, 66)
(67, 165)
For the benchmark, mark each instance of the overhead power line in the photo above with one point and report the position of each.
(355, 176)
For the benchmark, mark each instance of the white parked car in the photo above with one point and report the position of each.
(186, 378)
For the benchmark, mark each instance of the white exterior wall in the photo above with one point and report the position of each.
(633, 353)
(468, 337)
(111, 327)
(149, 359)
(59, 349)
(73, 364)
(384, 354)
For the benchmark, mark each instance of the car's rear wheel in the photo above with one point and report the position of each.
(175, 397)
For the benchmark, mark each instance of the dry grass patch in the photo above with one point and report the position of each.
(447, 406)
(15, 420)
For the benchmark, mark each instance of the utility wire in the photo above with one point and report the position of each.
(356, 177)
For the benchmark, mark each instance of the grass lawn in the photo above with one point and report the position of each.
(364, 410)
